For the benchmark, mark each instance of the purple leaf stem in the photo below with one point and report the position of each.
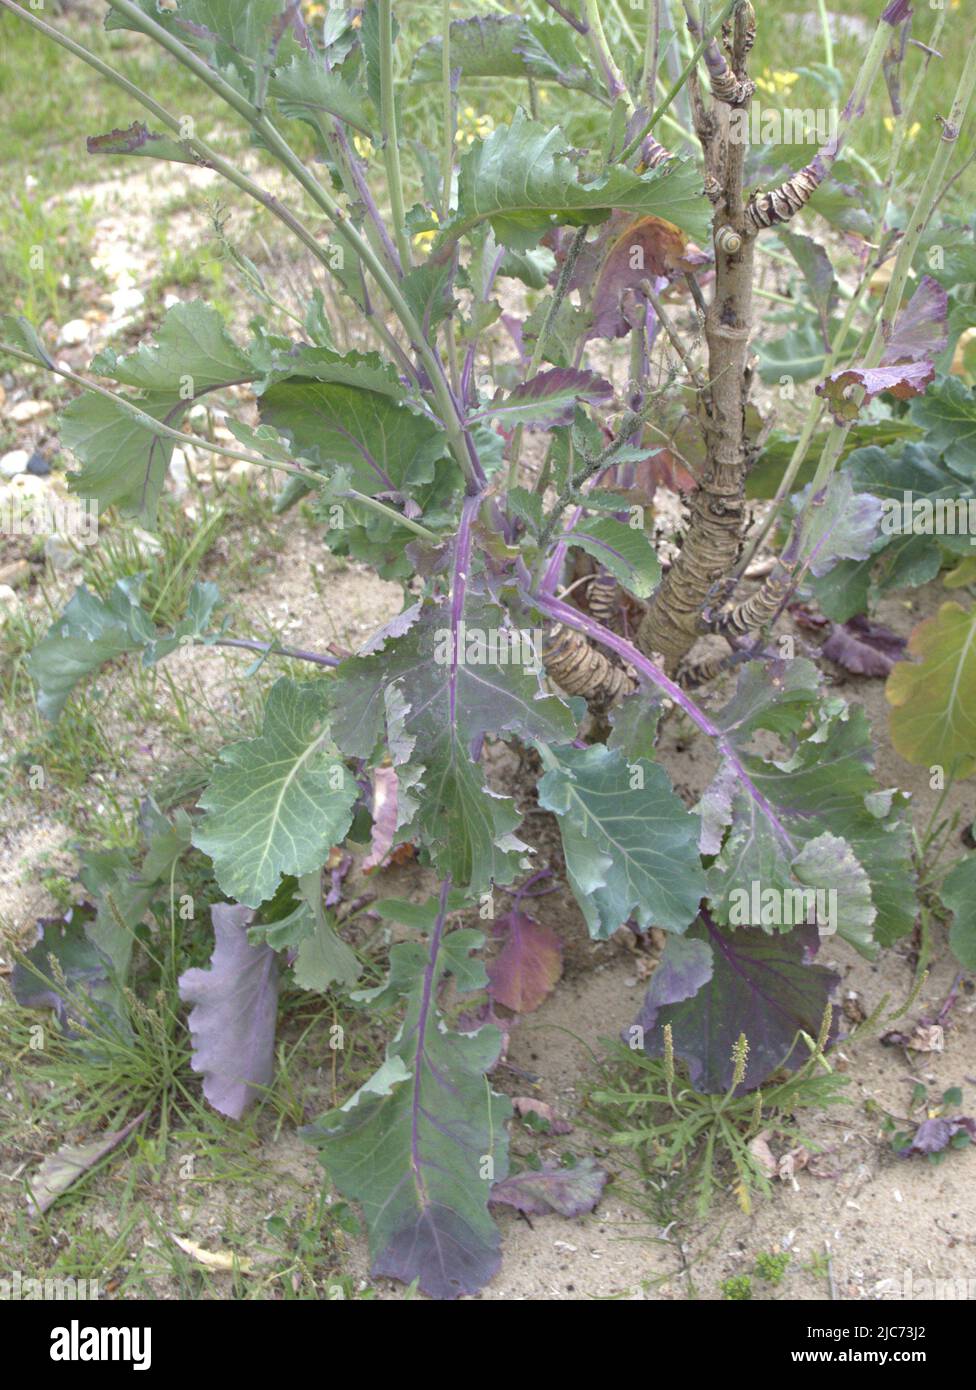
(572, 617)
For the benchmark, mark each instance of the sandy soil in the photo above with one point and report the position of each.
(886, 1224)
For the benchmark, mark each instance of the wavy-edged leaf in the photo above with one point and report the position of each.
(863, 647)
(459, 673)
(550, 1189)
(20, 333)
(306, 90)
(124, 461)
(841, 525)
(138, 139)
(92, 631)
(193, 352)
(81, 986)
(933, 698)
(812, 821)
(226, 33)
(522, 180)
(630, 845)
(948, 416)
(817, 271)
(548, 399)
(72, 1161)
(277, 803)
(528, 966)
(714, 984)
(508, 46)
(323, 959)
(626, 252)
(364, 427)
(903, 380)
(235, 1007)
(420, 1143)
(907, 364)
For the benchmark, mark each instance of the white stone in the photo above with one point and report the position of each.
(124, 301)
(9, 603)
(74, 332)
(25, 411)
(15, 462)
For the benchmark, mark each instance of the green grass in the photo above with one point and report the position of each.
(682, 1147)
(51, 101)
(667, 1139)
(185, 1170)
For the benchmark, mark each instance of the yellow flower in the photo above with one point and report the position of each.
(425, 238)
(913, 129)
(364, 146)
(473, 127)
(776, 81)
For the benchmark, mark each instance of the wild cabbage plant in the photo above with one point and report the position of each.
(514, 501)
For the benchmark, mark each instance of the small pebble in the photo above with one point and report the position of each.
(15, 462)
(14, 574)
(38, 465)
(74, 332)
(25, 411)
(9, 603)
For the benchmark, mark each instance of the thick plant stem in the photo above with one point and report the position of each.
(712, 541)
(672, 622)
(711, 544)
